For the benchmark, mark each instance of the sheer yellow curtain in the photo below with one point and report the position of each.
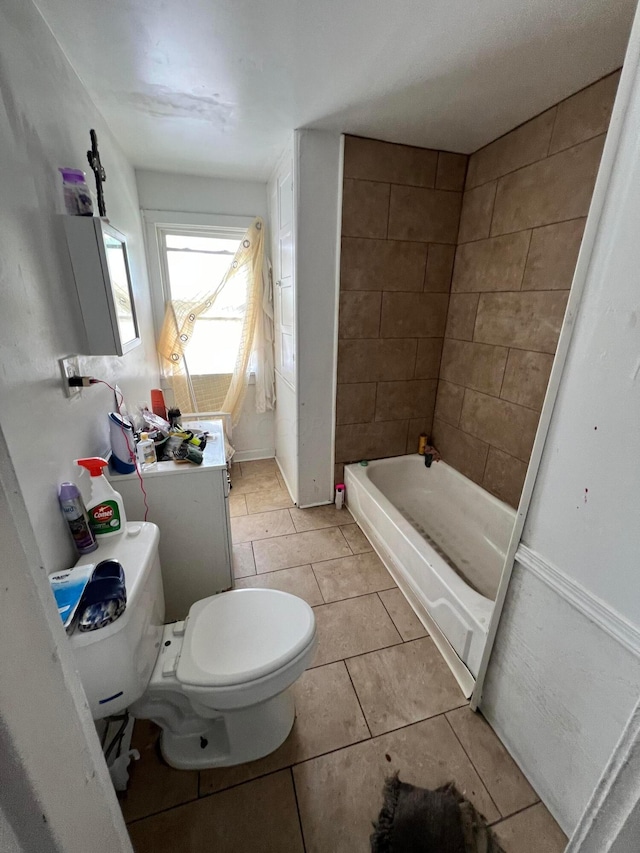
(181, 317)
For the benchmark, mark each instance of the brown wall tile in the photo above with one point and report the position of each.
(449, 402)
(475, 217)
(373, 160)
(477, 366)
(365, 208)
(376, 360)
(526, 378)
(439, 268)
(382, 264)
(338, 473)
(504, 425)
(504, 476)
(516, 149)
(429, 216)
(460, 450)
(356, 403)
(404, 400)
(359, 314)
(370, 441)
(552, 190)
(493, 264)
(461, 317)
(585, 114)
(527, 320)
(553, 255)
(452, 170)
(413, 315)
(428, 358)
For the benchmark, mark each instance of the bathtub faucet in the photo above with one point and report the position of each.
(430, 455)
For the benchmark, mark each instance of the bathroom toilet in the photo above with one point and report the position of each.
(218, 683)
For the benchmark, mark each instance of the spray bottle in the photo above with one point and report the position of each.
(106, 507)
(75, 514)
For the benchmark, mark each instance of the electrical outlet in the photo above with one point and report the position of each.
(70, 366)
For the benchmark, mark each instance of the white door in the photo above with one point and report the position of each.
(284, 298)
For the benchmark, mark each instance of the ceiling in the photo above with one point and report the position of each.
(214, 87)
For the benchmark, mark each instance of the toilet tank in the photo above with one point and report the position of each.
(115, 662)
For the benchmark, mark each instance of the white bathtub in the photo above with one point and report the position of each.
(424, 522)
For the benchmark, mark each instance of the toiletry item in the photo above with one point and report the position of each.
(75, 514)
(104, 598)
(106, 508)
(146, 452)
(77, 196)
(68, 587)
(422, 443)
(158, 406)
(122, 444)
(364, 463)
(339, 495)
(173, 416)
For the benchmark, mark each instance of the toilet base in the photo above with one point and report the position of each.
(234, 737)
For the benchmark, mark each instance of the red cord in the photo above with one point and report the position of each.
(132, 455)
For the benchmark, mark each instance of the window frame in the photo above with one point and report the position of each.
(157, 223)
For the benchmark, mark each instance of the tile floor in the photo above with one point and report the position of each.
(378, 698)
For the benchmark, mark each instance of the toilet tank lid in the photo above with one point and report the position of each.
(135, 549)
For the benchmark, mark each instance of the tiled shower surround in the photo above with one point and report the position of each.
(462, 349)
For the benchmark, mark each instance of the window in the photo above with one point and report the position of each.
(195, 261)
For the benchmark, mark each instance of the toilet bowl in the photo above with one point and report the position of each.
(217, 684)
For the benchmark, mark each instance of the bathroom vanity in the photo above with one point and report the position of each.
(190, 505)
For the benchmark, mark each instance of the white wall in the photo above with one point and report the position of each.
(45, 117)
(253, 438)
(318, 188)
(564, 673)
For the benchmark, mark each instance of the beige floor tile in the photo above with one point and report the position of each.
(531, 831)
(237, 505)
(358, 542)
(352, 627)
(258, 466)
(243, 562)
(404, 684)
(262, 525)
(328, 717)
(320, 516)
(260, 817)
(154, 786)
(268, 500)
(401, 612)
(250, 483)
(351, 576)
(299, 549)
(236, 471)
(299, 581)
(340, 794)
(507, 785)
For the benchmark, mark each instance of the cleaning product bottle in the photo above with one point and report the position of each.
(146, 452)
(106, 508)
(75, 514)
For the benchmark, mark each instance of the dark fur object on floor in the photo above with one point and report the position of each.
(415, 820)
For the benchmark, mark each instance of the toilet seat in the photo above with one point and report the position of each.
(242, 636)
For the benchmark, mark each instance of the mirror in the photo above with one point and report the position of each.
(117, 261)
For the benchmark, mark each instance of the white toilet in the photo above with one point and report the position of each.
(218, 683)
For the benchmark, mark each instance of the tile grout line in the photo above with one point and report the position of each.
(295, 795)
(519, 811)
(364, 716)
(471, 762)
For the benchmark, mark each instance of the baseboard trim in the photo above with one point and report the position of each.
(604, 616)
(253, 455)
